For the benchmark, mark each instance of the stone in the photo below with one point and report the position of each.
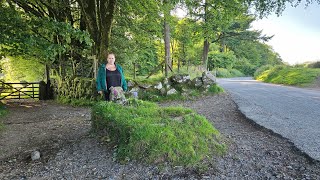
(135, 89)
(166, 83)
(197, 82)
(145, 86)
(185, 94)
(117, 95)
(35, 155)
(158, 86)
(184, 89)
(180, 78)
(172, 91)
(208, 78)
(163, 91)
(134, 94)
(131, 84)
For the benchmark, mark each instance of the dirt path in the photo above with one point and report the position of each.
(254, 153)
(43, 126)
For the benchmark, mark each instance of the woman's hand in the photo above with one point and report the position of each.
(100, 92)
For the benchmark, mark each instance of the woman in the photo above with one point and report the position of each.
(110, 75)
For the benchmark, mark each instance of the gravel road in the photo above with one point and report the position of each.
(294, 113)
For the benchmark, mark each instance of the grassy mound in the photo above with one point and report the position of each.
(146, 132)
(289, 75)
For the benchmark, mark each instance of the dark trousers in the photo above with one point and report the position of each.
(107, 95)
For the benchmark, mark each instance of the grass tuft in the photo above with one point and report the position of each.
(3, 112)
(215, 89)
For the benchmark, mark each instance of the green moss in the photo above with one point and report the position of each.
(146, 132)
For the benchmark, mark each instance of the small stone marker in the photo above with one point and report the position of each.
(35, 155)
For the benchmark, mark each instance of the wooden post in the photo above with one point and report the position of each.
(33, 91)
(42, 90)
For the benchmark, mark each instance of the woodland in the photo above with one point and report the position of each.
(67, 39)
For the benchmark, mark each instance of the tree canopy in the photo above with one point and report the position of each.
(72, 36)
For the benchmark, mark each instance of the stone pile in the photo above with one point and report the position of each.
(179, 83)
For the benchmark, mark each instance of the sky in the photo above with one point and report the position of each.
(296, 33)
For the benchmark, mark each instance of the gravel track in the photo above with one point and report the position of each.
(253, 153)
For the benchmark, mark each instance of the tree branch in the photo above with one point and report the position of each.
(25, 6)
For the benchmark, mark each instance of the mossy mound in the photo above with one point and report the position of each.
(146, 132)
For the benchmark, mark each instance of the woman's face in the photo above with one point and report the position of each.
(111, 59)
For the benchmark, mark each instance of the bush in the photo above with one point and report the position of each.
(236, 73)
(223, 73)
(244, 66)
(146, 132)
(262, 69)
(228, 73)
(221, 60)
(76, 90)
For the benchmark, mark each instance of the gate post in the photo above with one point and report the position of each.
(42, 90)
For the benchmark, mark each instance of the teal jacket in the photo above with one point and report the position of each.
(102, 76)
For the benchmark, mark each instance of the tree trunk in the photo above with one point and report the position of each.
(222, 44)
(206, 43)
(205, 52)
(107, 8)
(88, 11)
(179, 60)
(167, 46)
(47, 73)
(172, 53)
(183, 57)
(98, 16)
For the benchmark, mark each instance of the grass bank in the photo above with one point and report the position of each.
(287, 75)
(3, 112)
(146, 132)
